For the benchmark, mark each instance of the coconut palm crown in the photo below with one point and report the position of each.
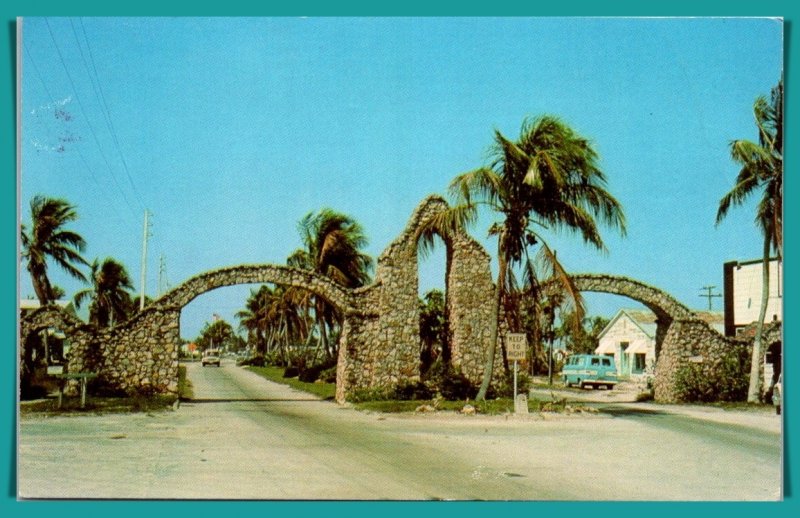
(547, 179)
(47, 239)
(761, 172)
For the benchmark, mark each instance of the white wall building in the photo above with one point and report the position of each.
(742, 292)
(630, 337)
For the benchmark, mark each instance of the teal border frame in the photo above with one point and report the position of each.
(9, 506)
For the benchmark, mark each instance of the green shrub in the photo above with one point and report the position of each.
(328, 375)
(726, 382)
(370, 394)
(445, 380)
(291, 372)
(314, 372)
(455, 386)
(506, 386)
(255, 361)
(412, 391)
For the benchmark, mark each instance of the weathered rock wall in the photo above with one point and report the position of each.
(715, 360)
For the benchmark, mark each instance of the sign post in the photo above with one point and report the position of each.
(516, 349)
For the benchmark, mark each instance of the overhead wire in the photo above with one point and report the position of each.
(88, 122)
(103, 104)
(94, 77)
(52, 100)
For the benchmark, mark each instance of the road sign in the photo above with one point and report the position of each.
(516, 346)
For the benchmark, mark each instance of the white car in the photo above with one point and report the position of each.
(210, 357)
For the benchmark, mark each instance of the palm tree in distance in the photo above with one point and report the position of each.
(547, 179)
(47, 239)
(332, 244)
(109, 294)
(762, 170)
(253, 319)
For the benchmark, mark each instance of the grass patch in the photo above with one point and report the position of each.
(97, 405)
(185, 389)
(322, 390)
(48, 405)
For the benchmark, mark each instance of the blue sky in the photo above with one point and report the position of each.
(230, 130)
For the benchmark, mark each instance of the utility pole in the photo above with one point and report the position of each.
(161, 270)
(144, 262)
(709, 295)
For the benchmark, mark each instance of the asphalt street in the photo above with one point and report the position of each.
(243, 437)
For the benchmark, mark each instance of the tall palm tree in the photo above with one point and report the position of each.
(332, 246)
(762, 171)
(547, 179)
(47, 239)
(110, 293)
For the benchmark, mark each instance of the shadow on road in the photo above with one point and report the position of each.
(252, 400)
(630, 411)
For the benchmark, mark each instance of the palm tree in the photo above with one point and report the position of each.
(548, 179)
(762, 170)
(332, 244)
(109, 293)
(48, 239)
(276, 316)
(253, 319)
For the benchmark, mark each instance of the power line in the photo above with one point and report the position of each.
(52, 100)
(103, 104)
(88, 122)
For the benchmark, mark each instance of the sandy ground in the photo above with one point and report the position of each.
(246, 438)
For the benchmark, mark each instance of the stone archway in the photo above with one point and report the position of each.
(682, 338)
(380, 339)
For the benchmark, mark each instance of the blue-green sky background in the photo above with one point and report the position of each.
(230, 130)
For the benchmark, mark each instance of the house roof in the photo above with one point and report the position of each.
(642, 318)
(33, 304)
(646, 320)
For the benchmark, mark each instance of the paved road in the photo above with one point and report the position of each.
(246, 438)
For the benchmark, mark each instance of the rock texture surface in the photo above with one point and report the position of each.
(380, 341)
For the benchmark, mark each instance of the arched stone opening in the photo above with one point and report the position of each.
(469, 294)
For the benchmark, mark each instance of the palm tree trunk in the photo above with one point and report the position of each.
(754, 390)
(41, 286)
(489, 367)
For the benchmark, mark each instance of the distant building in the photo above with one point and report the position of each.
(29, 305)
(630, 337)
(742, 293)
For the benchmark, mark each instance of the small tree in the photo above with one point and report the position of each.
(432, 329)
(215, 335)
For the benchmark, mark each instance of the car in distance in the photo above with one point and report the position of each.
(589, 370)
(210, 357)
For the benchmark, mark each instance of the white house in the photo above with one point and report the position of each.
(630, 337)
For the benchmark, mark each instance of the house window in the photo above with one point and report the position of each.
(638, 363)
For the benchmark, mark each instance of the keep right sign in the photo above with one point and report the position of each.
(516, 346)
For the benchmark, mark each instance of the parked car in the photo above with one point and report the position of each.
(590, 370)
(777, 394)
(210, 357)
